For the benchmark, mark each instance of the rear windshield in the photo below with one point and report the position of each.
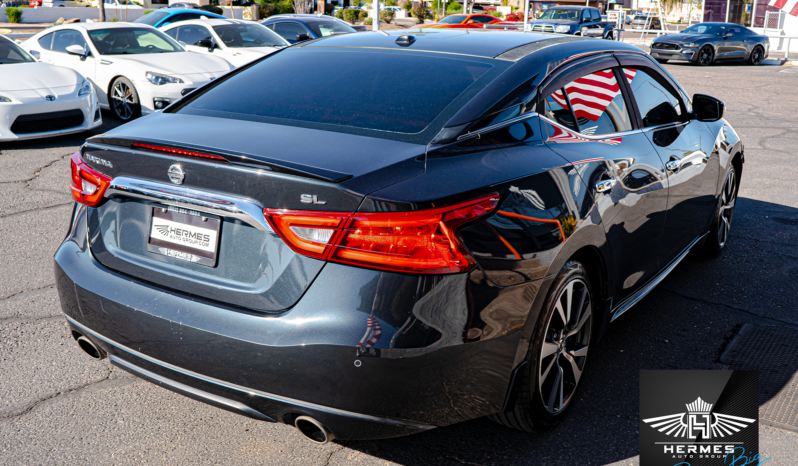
(152, 18)
(399, 93)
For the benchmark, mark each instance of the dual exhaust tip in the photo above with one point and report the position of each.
(307, 426)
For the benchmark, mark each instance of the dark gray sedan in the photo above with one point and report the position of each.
(706, 43)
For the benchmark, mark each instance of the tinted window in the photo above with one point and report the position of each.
(586, 15)
(247, 35)
(172, 33)
(557, 109)
(656, 100)
(152, 18)
(328, 28)
(64, 39)
(552, 13)
(10, 53)
(192, 34)
(453, 19)
(46, 41)
(289, 30)
(733, 31)
(132, 41)
(594, 14)
(596, 102)
(711, 29)
(183, 17)
(294, 94)
(482, 19)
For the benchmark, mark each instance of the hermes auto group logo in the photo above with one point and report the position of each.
(699, 422)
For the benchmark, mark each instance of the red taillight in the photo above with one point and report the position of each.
(88, 185)
(415, 242)
(172, 150)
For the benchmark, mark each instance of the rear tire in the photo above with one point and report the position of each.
(756, 57)
(718, 236)
(557, 356)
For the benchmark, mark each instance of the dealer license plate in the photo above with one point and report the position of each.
(184, 234)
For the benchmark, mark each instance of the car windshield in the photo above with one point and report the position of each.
(709, 29)
(328, 28)
(11, 53)
(296, 97)
(454, 19)
(553, 13)
(248, 35)
(152, 18)
(119, 41)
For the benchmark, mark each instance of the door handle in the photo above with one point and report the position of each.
(673, 165)
(605, 186)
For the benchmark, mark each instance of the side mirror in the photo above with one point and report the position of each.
(81, 51)
(35, 54)
(728, 34)
(208, 43)
(302, 37)
(706, 108)
(470, 21)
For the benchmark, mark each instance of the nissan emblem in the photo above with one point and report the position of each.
(176, 174)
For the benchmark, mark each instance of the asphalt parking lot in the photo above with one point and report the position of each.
(58, 406)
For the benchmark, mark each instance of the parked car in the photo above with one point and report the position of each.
(573, 20)
(295, 248)
(646, 22)
(136, 69)
(167, 16)
(238, 42)
(461, 21)
(705, 43)
(299, 28)
(121, 5)
(185, 5)
(40, 100)
(62, 3)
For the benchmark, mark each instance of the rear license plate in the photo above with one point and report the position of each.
(184, 234)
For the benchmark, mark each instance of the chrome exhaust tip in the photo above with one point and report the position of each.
(89, 347)
(313, 430)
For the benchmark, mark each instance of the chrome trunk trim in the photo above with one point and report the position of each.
(244, 209)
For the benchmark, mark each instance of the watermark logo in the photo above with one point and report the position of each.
(699, 422)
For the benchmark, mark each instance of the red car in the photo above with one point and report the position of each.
(463, 21)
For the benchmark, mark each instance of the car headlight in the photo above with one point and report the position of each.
(86, 88)
(687, 46)
(160, 79)
(4, 99)
(562, 29)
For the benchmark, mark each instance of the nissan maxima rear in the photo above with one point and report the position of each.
(398, 232)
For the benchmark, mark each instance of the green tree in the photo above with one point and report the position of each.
(454, 7)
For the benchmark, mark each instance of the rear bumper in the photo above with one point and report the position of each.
(305, 361)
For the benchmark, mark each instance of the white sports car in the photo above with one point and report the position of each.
(238, 42)
(136, 69)
(39, 100)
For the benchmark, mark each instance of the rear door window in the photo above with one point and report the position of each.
(591, 105)
(46, 41)
(191, 34)
(656, 100)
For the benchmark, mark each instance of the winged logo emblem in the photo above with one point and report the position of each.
(699, 418)
(162, 229)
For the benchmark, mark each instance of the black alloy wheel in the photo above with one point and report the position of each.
(125, 100)
(718, 236)
(557, 356)
(705, 56)
(756, 57)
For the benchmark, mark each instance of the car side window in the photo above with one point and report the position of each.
(734, 32)
(557, 109)
(289, 30)
(482, 19)
(172, 33)
(46, 41)
(586, 15)
(192, 34)
(596, 102)
(656, 100)
(595, 15)
(65, 38)
(182, 17)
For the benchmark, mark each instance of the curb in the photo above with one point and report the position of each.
(724, 358)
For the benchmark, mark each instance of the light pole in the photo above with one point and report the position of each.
(375, 25)
(526, 13)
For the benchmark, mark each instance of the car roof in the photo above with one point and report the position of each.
(209, 22)
(506, 45)
(106, 25)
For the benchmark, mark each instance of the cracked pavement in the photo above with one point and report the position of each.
(57, 405)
